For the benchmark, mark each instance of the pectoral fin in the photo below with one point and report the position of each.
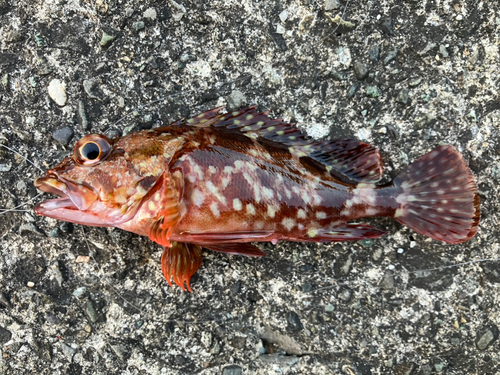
(236, 249)
(181, 261)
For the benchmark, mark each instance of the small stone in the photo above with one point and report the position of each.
(332, 4)
(443, 51)
(82, 259)
(150, 13)
(120, 351)
(388, 26)
(283, 15)
(5, 80)
(63, 135)
(306, 288)
(414, 82)
(82, 115)
(235, 100)
(57, 92)
(54, 233)
(235, 288)
(232, 370)
(280, 29)
(138, 26)
(68, 351)
(486, 338)
(89, 87)
(366, 243)
(391, 56)
(107, 39)
(360, 69)
(294, 320)
(353, 89)
(90, 311)
(80, 291)
(5, 335)
(388, 280)
(403, 96)
(30, 284)
(374, 53)
(27, 228)
(139, 324)
(345, 295)
(5, 167)
(372, 92)
(329, 307)
(152, 62)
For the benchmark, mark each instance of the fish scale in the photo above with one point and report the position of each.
(221, 181)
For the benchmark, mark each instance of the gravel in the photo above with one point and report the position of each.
(333, 308)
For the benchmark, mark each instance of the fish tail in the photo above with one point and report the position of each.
(438, 197)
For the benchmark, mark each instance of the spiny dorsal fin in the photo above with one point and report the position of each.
(355, 160)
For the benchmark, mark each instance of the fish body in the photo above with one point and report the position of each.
(221, 181)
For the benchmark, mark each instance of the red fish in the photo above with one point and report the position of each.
(221, 181)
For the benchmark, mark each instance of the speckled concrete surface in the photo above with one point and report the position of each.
(403, 76)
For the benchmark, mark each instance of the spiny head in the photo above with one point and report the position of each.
(104, 182)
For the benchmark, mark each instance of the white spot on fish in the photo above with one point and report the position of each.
(321, 215)
(197, 197)
(301, 214)
(312, 232)
(213, 189)
(288, 223)
(251, 209)
(215, 209)
(267, 193)
(212, 169)
(237, 204)
(228, 169)
(271, 210)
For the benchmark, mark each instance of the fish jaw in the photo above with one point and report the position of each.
(77, 204)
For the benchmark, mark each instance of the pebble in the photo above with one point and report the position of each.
(5, 167)
(90, 311)
(107, 39)
(414, 82)
(306, 288)
(63, 135)
(79, 291)
(374, 53)
(391, 55)
(88, 87)
(388, 26)
(5, 335)
(443, 51)
(150, 13)
(232, 370)
(403, 96)
(68, 351)
(332, 4)
(54, 233)
(283, 15)
(388, 280)
(352, 90)
(82, 115)
(485, 339)
(372, 91)
(57, 92)
(27, 228)
(329, 308)
(360, 69)
(294, 320)
(139, 25)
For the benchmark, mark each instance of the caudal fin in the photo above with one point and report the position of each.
(439, 197)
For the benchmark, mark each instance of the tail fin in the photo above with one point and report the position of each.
(439, 197)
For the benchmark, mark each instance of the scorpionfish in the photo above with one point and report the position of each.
(221, 181)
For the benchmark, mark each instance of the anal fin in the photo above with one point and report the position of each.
(181, 261)
(235, 249)
(349, 232)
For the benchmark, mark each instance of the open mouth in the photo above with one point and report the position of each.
(51, 185)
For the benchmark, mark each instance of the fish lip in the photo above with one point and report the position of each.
(72, 196)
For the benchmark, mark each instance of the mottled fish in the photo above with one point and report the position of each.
(223, 180)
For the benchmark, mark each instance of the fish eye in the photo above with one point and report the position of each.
(92, 149)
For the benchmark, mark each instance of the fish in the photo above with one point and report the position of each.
(224, 180)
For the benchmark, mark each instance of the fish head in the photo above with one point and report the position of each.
(104, 182)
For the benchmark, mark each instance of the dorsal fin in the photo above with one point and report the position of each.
(352, 159)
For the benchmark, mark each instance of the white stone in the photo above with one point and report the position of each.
(150, 13)
(283, 16)
(280, 29)
(57, 92)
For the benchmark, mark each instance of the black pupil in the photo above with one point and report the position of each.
(90, 151)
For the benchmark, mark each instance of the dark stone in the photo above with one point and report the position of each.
(232, 370)
(294, 320)
(306, 288)
(352, 90)
(391, 55)
(403, 96)
(374, 53)
(63, 135)
(5, 335)
(306, 267)
(238, 342)
(277, 38)
(235, 288)
(388, 26)
(360, 69)
(284, 266)
(164, 14)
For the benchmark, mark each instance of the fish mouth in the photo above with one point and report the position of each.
(73, 196)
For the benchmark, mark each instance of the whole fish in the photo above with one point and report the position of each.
(222, 180)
